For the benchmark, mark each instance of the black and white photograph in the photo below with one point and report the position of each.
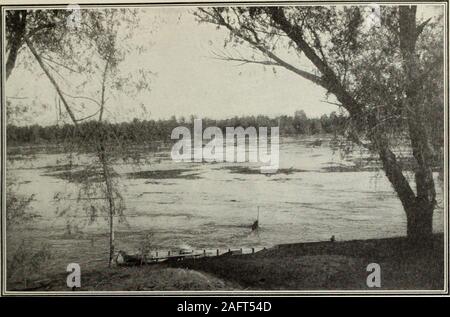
(223, 148)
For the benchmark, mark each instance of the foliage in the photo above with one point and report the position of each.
(89, 52)
(17, 206)
(387, 75)
(364, 59)
(148, 131)
(145, 247)
(26, 261)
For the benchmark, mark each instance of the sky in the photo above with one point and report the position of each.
(187, 79)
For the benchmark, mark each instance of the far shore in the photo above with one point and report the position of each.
(339, 265)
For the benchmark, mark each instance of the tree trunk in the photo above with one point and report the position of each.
(110, 198)
(419, 218)
(19, 22)
(420, 213)
(101, 150)
(418, 208)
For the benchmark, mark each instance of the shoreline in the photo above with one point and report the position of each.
(340, 265)
(333, 265)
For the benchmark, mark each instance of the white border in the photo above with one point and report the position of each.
(48, 4)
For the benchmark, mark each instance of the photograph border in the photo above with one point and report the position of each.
(12, 5)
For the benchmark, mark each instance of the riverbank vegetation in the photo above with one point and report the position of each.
(302, 266)
(147, 131)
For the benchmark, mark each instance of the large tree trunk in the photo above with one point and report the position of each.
(420, 213)
(418, 208)
(419, 217)
(19, 21)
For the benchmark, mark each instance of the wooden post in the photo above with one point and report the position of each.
(168, 253)
(217, 252)
(253, 250)
(204, 252)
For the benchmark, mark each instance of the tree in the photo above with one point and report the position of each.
(91, 54)
(46, 28)
(301, 123)
(380, 74)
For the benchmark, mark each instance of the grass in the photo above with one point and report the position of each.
(300, 266)
(138, 278)
(331, 265)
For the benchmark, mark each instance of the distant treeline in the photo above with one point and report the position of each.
(138, 131)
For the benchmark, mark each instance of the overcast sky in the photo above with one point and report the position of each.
(187, 80)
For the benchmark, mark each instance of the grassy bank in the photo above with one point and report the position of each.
(301, 266)
(332, 265)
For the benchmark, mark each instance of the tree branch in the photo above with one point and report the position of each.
(83, 97)
(314, 78)
(59, 64)
(102, 102)
(330, 80)
(52, 80)
(247, 61)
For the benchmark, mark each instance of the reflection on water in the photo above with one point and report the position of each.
(315, 195)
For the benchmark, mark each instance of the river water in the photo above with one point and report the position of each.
(316, 194)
